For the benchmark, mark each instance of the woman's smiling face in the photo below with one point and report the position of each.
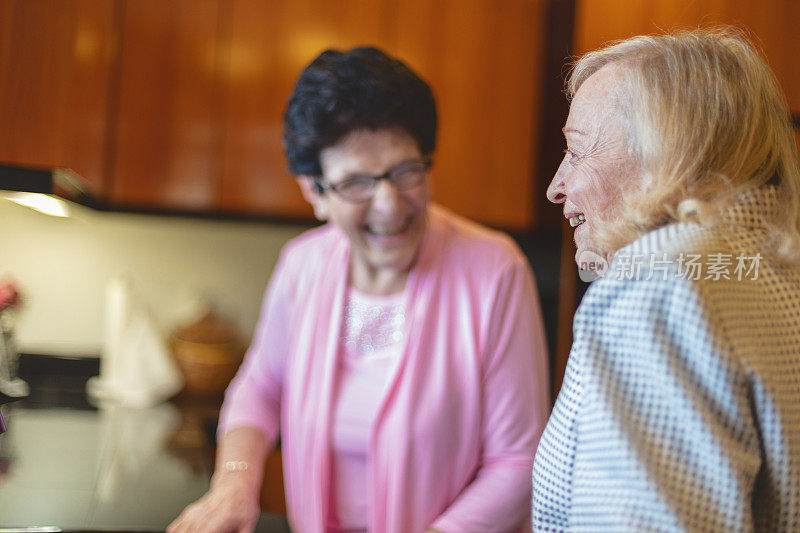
(385, 231)
(597, 166)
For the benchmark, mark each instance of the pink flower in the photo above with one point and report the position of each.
(9, 295)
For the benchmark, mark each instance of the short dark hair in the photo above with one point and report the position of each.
(363, 88)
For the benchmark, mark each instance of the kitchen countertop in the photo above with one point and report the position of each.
(105, 468)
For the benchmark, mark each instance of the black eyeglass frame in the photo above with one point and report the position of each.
(322, 185)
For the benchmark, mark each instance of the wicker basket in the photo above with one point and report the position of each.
(207, 367)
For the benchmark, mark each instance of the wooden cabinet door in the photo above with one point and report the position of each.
(166, 153)
(55, 65)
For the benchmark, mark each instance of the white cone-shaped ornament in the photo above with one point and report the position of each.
(137, 368)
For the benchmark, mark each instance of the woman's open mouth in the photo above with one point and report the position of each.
(577, 220)
(388, 235)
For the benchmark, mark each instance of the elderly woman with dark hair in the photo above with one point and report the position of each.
(680, 408)
(400, 354)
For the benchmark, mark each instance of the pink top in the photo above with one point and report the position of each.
(371, 346)
(453, 438)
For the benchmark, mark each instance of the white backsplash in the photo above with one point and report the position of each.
(63, 265)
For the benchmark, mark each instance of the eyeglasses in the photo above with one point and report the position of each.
(361, 187)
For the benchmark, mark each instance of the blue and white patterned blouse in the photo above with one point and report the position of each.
(680, 408)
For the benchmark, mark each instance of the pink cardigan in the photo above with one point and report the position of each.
(453, 442)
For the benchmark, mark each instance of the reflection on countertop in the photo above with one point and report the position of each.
(107, 467)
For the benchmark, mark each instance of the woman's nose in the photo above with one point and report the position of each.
(385, 197)
(556, 192)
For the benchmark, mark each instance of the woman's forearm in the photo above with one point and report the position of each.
(232, 503)
(240, 457)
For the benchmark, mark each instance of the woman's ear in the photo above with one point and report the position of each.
(314, 196)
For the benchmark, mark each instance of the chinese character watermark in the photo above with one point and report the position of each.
(694, 267)
(752, 268)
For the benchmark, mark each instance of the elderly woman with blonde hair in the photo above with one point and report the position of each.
(680, 408)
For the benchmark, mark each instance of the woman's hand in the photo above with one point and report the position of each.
(230, 506)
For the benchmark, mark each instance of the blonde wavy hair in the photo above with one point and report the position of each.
(707, 122)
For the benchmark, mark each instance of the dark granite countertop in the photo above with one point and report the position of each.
(76, 467)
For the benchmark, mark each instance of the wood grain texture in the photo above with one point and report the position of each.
(167, 151)
(55, 61)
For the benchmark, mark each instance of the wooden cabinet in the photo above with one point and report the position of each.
(55, 71)
(185, 113)
(166, 149)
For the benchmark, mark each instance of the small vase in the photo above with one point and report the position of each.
(10, 385)
(9, 359)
